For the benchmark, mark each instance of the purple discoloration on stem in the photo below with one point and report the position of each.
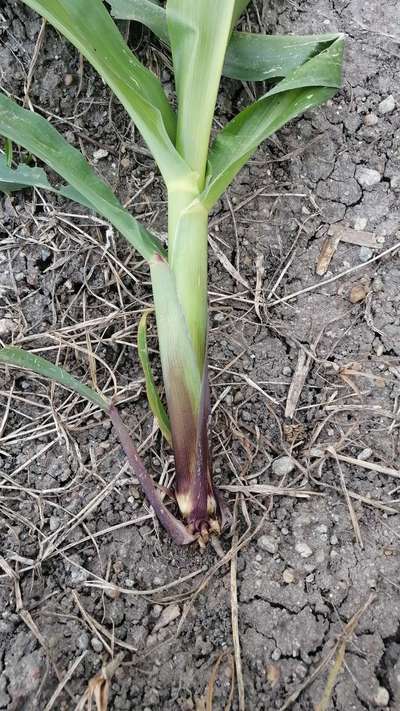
(175, 528)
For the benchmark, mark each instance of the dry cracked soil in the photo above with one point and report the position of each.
(305, 376)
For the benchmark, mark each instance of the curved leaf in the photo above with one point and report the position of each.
(29, 361)
(249, 56)
(256, 57)
(153, 397)
(88, 25)
(144, 11)
(39, 137)
(307, 86)
(23, 359)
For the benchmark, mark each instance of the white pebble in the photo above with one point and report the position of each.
(367, 177)
(387, 105)
(365, 254)
(282, 466)
(167, 616)
(99, 154)
(268, 543)
(303, 549)
(382, 697)
(364, 454)
(97, 644)
(360, 223)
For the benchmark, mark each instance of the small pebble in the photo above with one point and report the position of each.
(268, 543)
(395, 183)
(99, 154)
(377, 284)
(360, 223)
(282, 466)
(287, 372)
(68, 79)
(358, 293)
(7, 326)
(365, 254)
(382, 697)
(276, 654)
(334, 540)
(371, 119)
(168, 615)
(97, 644)
(54, 523)
(387, 105)
(367, 177)
(83, 641)
(364, 454)
(288, 576)
(284, 531)
(303, 549)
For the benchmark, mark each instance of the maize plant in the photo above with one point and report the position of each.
(197, 165)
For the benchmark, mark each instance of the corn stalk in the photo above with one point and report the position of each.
(303, 72)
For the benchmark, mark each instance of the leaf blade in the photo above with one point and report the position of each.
(199, 33)
(39, 137)
(19, 358)
(305, 87)
(249, 56)
(153, 396)
(138, 89)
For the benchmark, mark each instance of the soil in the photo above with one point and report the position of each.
(84, 564)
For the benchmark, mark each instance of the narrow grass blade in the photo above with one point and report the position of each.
(29, 361)
(249, 56)
(22, 359)
(88, 25)
(153, 396)
(307, 86)
(199, 34)
(40, 138)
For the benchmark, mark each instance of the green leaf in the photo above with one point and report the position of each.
(22, 359)
(144, 11)
(179, 364)
(21, 177)
(88, 25)
(252, 57)
(153, 396)
(199, 34)
(8, 150)
(307, 86)
(25, 176)
(249, 56)
(39, 137)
